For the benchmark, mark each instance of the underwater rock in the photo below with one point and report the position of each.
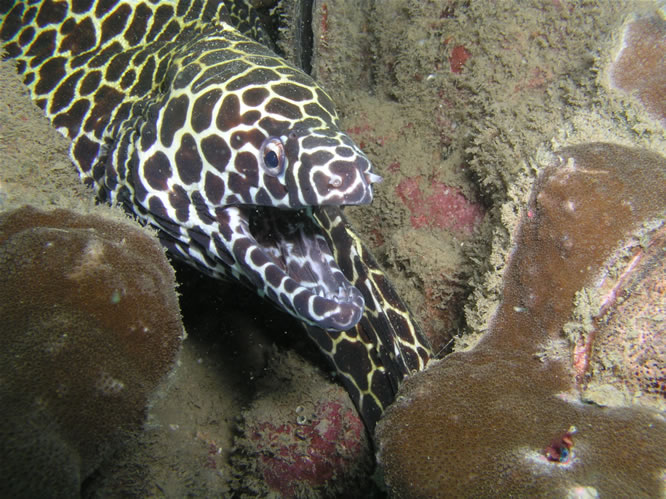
(91, 326)
(507, 417)
(443, 208)
(301, 437)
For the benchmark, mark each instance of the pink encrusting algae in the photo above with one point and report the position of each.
(445, 207)
(331, 436)
(300, 439)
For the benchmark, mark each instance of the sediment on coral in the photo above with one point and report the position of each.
(506, 418)
(91, 326)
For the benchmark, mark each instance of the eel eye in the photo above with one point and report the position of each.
(272, 156)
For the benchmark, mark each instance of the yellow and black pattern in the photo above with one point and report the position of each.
(386, 345)
(235, 156)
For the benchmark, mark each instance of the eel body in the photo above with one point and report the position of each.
(181, 113)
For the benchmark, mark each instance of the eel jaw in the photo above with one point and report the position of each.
(284, 254)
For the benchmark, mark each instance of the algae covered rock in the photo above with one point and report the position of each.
(90, 326)
(510, 417)
(301, 439)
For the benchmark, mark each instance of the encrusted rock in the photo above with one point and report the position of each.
(302, 437)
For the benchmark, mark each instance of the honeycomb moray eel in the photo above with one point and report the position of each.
(180, 112)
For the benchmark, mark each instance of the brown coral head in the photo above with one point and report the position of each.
(640, 66)
(91, 325)
(581, 210)
(475, 423)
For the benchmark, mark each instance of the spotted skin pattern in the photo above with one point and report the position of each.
(386, 345)
(235, 156)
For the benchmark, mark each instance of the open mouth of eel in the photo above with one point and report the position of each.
(286, 255)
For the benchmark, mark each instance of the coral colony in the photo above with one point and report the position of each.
(89, 332)
(491, 419)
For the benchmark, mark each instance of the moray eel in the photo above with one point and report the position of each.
(180, 112)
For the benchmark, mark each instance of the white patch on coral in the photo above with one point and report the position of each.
(582, 492)
(90, 261)
(537, 462)
(572, 397)
(109, 385)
